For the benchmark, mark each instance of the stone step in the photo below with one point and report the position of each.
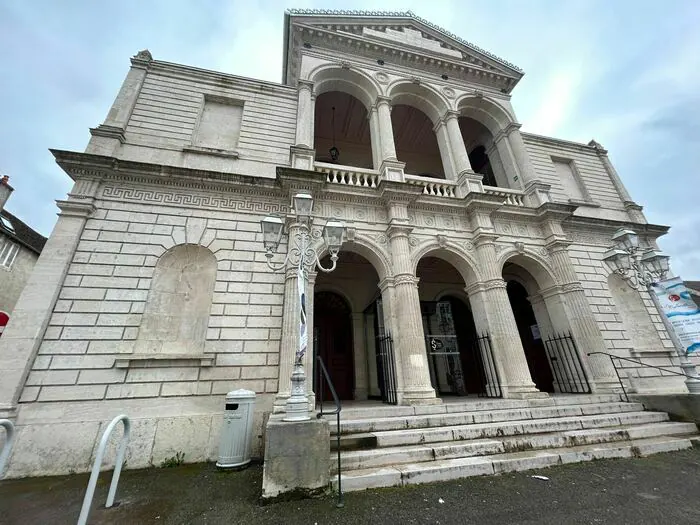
(366, 425)
(472, 405)
(361, 459)
(420, 436)
(446, 469)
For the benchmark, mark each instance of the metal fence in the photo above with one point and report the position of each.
(565, 362)
(482, 354)
(387, 368)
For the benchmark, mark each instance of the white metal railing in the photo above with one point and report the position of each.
(434, 187)
(9, 443)
(90, 492)
(510, 197)
(348, 175)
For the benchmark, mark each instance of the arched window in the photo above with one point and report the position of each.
(176, 314)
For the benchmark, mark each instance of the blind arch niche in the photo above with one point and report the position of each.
(176, 314)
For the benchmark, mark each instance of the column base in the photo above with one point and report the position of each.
(523, 392)
(418, 397)
(605, 386)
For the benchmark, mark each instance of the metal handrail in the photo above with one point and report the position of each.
(612, 360)
(323, 374)
(9, 443)
(90, 492)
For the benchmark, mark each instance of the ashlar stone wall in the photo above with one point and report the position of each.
(98, 358)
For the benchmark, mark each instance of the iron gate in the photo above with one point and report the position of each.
(565, 362)
(485, 364)
(386, 369)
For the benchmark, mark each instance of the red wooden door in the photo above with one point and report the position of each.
(333, 327)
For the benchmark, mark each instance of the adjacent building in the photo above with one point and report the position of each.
(20, 247)
(472, 250)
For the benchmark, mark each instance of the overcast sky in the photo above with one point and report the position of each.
(624, 72)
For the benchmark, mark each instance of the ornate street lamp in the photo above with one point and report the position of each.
(302, 257)
(641, 270)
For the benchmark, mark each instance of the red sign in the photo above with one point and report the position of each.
(4, 319)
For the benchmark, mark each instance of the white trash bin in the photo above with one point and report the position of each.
(237, 431)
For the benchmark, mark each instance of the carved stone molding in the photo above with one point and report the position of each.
(380, 238)
(468, 246)
(405, 278)
(441, 240)
(382, 78)
(192, 200)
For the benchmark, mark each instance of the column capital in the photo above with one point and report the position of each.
(381, 100)
(305, 84)
(493, 283)
(406, 278)
(387, 282)
(557, 244)
(398, 230)
(74, 208)
(483, 237)
(450, 114)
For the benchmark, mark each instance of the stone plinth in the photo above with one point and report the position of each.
(296, 458)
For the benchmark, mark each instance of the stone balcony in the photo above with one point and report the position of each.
(365, 178)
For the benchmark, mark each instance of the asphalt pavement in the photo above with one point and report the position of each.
(662, 489)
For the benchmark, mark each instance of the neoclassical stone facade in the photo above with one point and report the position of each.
(153, 298)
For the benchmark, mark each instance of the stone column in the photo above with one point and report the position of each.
(386, 131)
(522, 159)
(310, 358)
(23, 335)
(505, 155)
(373, 118)
(409, 339)
(360, 356)
(305, 114)
(584, 327)
(459, 151)
(443, 140)
(633, 209)
(389, 322)
(290, 328)
(505, 338)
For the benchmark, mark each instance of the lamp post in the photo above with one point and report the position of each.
(302, 257)
(643, 269)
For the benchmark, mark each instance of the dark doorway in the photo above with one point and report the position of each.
(530, 337)
(453, 351)
(333, 342)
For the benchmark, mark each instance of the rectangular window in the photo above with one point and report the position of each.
(8, 252)
(219, 123)
(570, 179)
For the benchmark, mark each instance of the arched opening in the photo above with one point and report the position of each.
(530, 337)
(344, 329)
(334, 342)
(176, 314)
(483, 156)
(416, 142)
(452, 342)
(342, 131)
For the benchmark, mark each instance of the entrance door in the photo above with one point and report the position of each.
(535, 352)
(333, 337)
(442, 346)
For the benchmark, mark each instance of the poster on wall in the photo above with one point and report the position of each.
(682, 313)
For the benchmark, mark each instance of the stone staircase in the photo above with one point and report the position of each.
(385, 446)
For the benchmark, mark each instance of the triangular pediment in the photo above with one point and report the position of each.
(403, 32)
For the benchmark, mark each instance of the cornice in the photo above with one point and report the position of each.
(558, 142)
(407, 15)
(82, 165)
(422, 60)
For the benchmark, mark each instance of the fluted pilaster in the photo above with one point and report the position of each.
(507, 346)
(584, 327)
(409, 338)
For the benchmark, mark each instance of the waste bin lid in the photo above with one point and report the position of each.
(240, 394)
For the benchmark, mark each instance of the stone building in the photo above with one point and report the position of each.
(153, 296)
(20, 247)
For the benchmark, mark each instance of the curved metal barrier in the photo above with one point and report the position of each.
(90, 492)
(9, 443)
